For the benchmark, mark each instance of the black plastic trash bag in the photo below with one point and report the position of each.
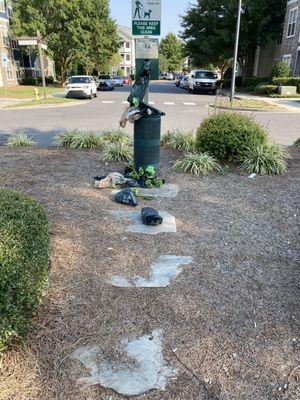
(131, 183)
(150, 216)
(126, 196)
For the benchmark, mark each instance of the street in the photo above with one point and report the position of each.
(183, 111)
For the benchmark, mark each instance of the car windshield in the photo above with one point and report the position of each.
(104, 77)
(204, 75)
(79, 79)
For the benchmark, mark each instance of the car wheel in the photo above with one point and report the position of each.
(91, 95)
(214, 92)
(95, 95)
(190, 90)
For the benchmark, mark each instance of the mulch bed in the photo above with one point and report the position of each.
(230, 321)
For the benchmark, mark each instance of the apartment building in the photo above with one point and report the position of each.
(287, 46)
(126, 51)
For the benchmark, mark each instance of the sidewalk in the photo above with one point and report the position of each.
(291, 104)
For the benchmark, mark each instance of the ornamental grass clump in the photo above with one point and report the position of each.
(21, 140)
(117, 136)
(65, 139)
(24, 263)
(265, 159)
(116, 152)
(178, 140)
(197, 164)
(227, 135)
(296, 143)
(86, 141)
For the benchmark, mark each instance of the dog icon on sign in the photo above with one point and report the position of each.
(147, 14)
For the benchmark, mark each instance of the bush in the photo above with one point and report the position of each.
(227, 135)
(117, 136)
(21, 140)
(252, 81)
(178, 140)
(77, 140)
(116, 152)
(48, 79)
(287, 82)
(265, 89)
(296, 143)
(24, 263)
(280, 70)
(197, 164)
(28, 81)
(265, 159)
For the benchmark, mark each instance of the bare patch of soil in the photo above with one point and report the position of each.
(230, 321)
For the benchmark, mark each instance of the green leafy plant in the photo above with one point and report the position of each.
(65, 139)
(178, 140)
(197, 164)
(86, 141)
(281, 69)
(265, 89)
(227, 135)
(147, 176)
(21, 140)
(296, 143)
(117, 136)
(137, 193)
(116, 152)
(265, 159)
(24, 261)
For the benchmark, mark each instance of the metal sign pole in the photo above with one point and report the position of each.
(236, 47)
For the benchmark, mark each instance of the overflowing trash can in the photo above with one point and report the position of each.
(147, 132)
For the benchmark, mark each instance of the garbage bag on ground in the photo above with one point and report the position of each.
(126, 196)
(110, 181)
(150, 216)
(131, 183)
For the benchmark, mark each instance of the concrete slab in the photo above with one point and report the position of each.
(161, 273)
(168, 225)
(146, 368)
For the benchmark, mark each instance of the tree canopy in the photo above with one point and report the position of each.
(171, 53)
(77, 31)
(209, 30)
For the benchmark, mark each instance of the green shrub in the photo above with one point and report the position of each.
(28, 81)
(116, 152)
(296, 143)
(197, 164)
(65, 139)
(86, 141)
(287, 82)
(226, 135)
(265, 89)
(21, 140)
(280, 70)
(117, 136)
(178, 140)
(253, 81)
(24, 263)
(265, 159)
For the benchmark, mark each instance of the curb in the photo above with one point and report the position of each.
(77, 103)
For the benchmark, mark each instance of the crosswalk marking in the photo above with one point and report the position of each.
(151, 102)
(169, 103)
(107, 102)
(124, 102)
(189, 104)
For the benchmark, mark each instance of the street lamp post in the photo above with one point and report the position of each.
(236, 47)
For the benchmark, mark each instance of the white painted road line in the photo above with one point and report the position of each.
(107, 102)
(169, 103)
(189, 104)
(125, 102)
(151, 102)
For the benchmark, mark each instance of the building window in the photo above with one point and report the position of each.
(287, 58)
(5, 38)
(127, 45)
(127, 57)
(9, 71)
(2, 6)
(292, 22)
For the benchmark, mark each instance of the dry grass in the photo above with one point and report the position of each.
(230, 320)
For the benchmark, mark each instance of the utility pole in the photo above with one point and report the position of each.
(236, 47)
(41, 58)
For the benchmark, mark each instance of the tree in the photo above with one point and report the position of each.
(77, 31)
(209, 28)
(171, 52)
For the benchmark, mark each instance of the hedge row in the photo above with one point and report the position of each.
(287, 82)
(24, 263)
(30, 81)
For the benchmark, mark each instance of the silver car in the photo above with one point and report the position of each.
(118, 81)
(184, 82)
(105, 82)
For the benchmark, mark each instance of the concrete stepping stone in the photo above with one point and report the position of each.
(137, 226)
(167, 191)
(146, 368)
(162, 272)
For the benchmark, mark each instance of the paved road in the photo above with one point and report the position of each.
(183, 111)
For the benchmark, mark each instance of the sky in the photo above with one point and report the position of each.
(171, 9)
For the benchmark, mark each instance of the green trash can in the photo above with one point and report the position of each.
(147, 141)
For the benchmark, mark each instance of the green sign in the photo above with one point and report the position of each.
(146, 15)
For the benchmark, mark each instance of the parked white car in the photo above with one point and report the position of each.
(81, 86)
(203, 81)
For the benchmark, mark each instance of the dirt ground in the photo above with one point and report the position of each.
(230, 320)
